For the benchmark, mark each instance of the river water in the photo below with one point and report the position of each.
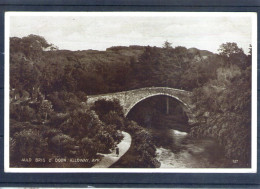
(176, 149)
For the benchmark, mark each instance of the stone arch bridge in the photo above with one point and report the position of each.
(128, 99)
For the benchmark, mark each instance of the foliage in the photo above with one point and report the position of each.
(62, 144)
(27, 143)
(80, 124)
(233, 54)
(227, 100)
(113, 118)
(102, 107)
(142, 152)
(45, 108)
(229, 49)
(21, 113)
(89, 147)
(31, 45)
(52, 84)
(167, 45)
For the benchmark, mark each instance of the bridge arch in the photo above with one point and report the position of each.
(185, 107)
(128, 99)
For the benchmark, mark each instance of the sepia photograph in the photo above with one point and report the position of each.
(130, 92)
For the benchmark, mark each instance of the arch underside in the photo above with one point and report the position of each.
(185, 106)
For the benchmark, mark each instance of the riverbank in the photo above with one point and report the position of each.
(109, 159)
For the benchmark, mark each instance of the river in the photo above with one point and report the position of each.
(175, 149)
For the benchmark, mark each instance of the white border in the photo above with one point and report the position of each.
(253, 169)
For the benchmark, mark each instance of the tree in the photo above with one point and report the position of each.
(103, 107)
(250, 50)
(228, 49)
(28, 143)
(59, 104)
(24, 74)
(31, 46)
(232, 54)
(88, 147)
(249, 56)
(81, 124)
(62, 144)
(45, 108)
(167, 45)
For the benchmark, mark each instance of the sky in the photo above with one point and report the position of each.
(99, 31)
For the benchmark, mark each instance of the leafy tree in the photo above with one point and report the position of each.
(249, 56)
(69, 83)
(113, 118)
(59, 105)
(227, 99)
(45, 109)
(31, 46)
(103, 107)
(28, 143)
(104, 141)
(232, 54)
(250, 50)
(82, 124)
(167, 45)
(63, 144)
(24, 76)
(228, 49)
(89, 147)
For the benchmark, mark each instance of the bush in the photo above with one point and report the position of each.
(118, 136)
(88, 147)
(81, 124)
(103, 107)
(16, 126)
(132, 127)
(113, 118)
(15, 111)
(21, 113)
(28, 143)
(104, 141)
(82, 96)
(58, 104)
(58, 119)
(227, 99)
(63, 144)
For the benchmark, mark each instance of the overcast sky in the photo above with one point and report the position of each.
(74, 32)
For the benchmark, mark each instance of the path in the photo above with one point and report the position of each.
(110, 159)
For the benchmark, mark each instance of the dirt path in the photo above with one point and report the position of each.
(110, 159)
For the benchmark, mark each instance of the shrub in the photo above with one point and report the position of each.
(132, 127)
(82, 96)
(28, 143)
(104, 141)
(82, 124)
(58, 119)
(118, 136)
(63, 144)
(113, 118)
(88, 147)
(103, 107)
(21, 113)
